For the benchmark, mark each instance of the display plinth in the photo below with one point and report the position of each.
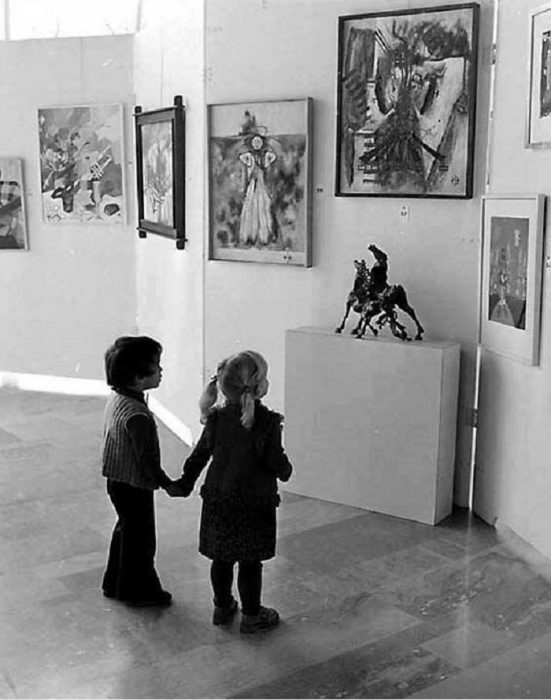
(372, 423)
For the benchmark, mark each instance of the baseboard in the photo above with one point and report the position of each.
(526, 551)
(90, 387)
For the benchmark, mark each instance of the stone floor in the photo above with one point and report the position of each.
(372, 606)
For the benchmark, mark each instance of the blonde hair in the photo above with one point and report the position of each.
(239, 378)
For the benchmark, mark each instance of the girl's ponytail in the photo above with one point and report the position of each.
(208, 398)
(247, 408)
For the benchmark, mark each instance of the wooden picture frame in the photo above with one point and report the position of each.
(160, 171)
(13, 221)
(406, 102)
(538, 118)
(260, 172)
(511, 275)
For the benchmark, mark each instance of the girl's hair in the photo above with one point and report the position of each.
(129, 358)
(239, 378)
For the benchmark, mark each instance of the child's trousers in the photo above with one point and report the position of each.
(249, 584)
(130, 573)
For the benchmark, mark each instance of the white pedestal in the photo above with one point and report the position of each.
(372, 422)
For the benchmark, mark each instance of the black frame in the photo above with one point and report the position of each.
(176, 116)
(472, 90)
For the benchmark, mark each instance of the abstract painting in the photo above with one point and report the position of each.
(512, 243)
(259, 182)
(82, 164)
(160, 155)
(538, 123)
(406, 102)
(13, 225)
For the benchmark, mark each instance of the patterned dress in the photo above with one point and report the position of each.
(240, 496)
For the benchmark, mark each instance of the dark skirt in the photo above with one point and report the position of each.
(231, 532)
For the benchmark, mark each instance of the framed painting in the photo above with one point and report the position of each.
(13, 224)
(511, 275)
(538, 121)
(82, 164)
(160, 169)
(406, 99)
(260, 162)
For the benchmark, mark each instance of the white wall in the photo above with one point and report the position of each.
(513, 479)
(64, 300)
(169, 61)
(262, 50)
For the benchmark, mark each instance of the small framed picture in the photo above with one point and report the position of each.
(13, 225)
(511, 275)
(538, 122)
(160, 168)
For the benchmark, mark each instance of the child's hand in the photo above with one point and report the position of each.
(175, 490)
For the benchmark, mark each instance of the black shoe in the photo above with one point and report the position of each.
(162, 598)
(266, 619)
(221, 616)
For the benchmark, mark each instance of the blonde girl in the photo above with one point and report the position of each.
(241, 442)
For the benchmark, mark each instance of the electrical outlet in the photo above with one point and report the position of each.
(404, 213)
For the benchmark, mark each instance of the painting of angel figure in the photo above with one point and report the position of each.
(81, 164)
(406, 102)
(13, 226)
(259, 179)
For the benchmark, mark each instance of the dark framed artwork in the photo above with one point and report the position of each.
(160, 168)
(511, 275)
(406, 102)
(13, 224)
(260, 162)
(538, 121)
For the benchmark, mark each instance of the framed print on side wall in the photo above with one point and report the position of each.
(511, 275)
(13, 224)
(260, 181)
(82, 164)
(160, 165)
(406, 97)
(538, 122)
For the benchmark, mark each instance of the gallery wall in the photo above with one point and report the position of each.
(169, 61)
(73, 291)
(265, 50)
(513, 480)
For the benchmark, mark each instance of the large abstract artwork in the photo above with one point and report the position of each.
(259, 180)
(82, 165)
(512, 244)
(13, 225)
(160, 156)
(406, 102)
(538, 126)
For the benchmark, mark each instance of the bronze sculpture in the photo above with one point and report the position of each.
(376, 301)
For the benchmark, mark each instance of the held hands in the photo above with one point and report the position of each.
(176, 490)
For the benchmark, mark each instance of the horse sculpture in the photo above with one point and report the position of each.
(376, 301)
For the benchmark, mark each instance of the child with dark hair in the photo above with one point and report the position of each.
(240, 497)
(132, 464)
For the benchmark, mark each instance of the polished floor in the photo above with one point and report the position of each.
(372, 606)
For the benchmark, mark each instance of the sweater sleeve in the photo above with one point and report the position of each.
(142, 432)
(275, 459)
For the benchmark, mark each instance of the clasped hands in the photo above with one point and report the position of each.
(176, 490)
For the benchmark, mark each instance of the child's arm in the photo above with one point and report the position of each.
(145, 441)
(275, 459)
(194, 464)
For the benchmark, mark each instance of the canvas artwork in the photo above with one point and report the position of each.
(13, 226)
(259, 177)
(81, 164)
(160, 171)
(510, 288)
(406, 102)
(538, 122)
